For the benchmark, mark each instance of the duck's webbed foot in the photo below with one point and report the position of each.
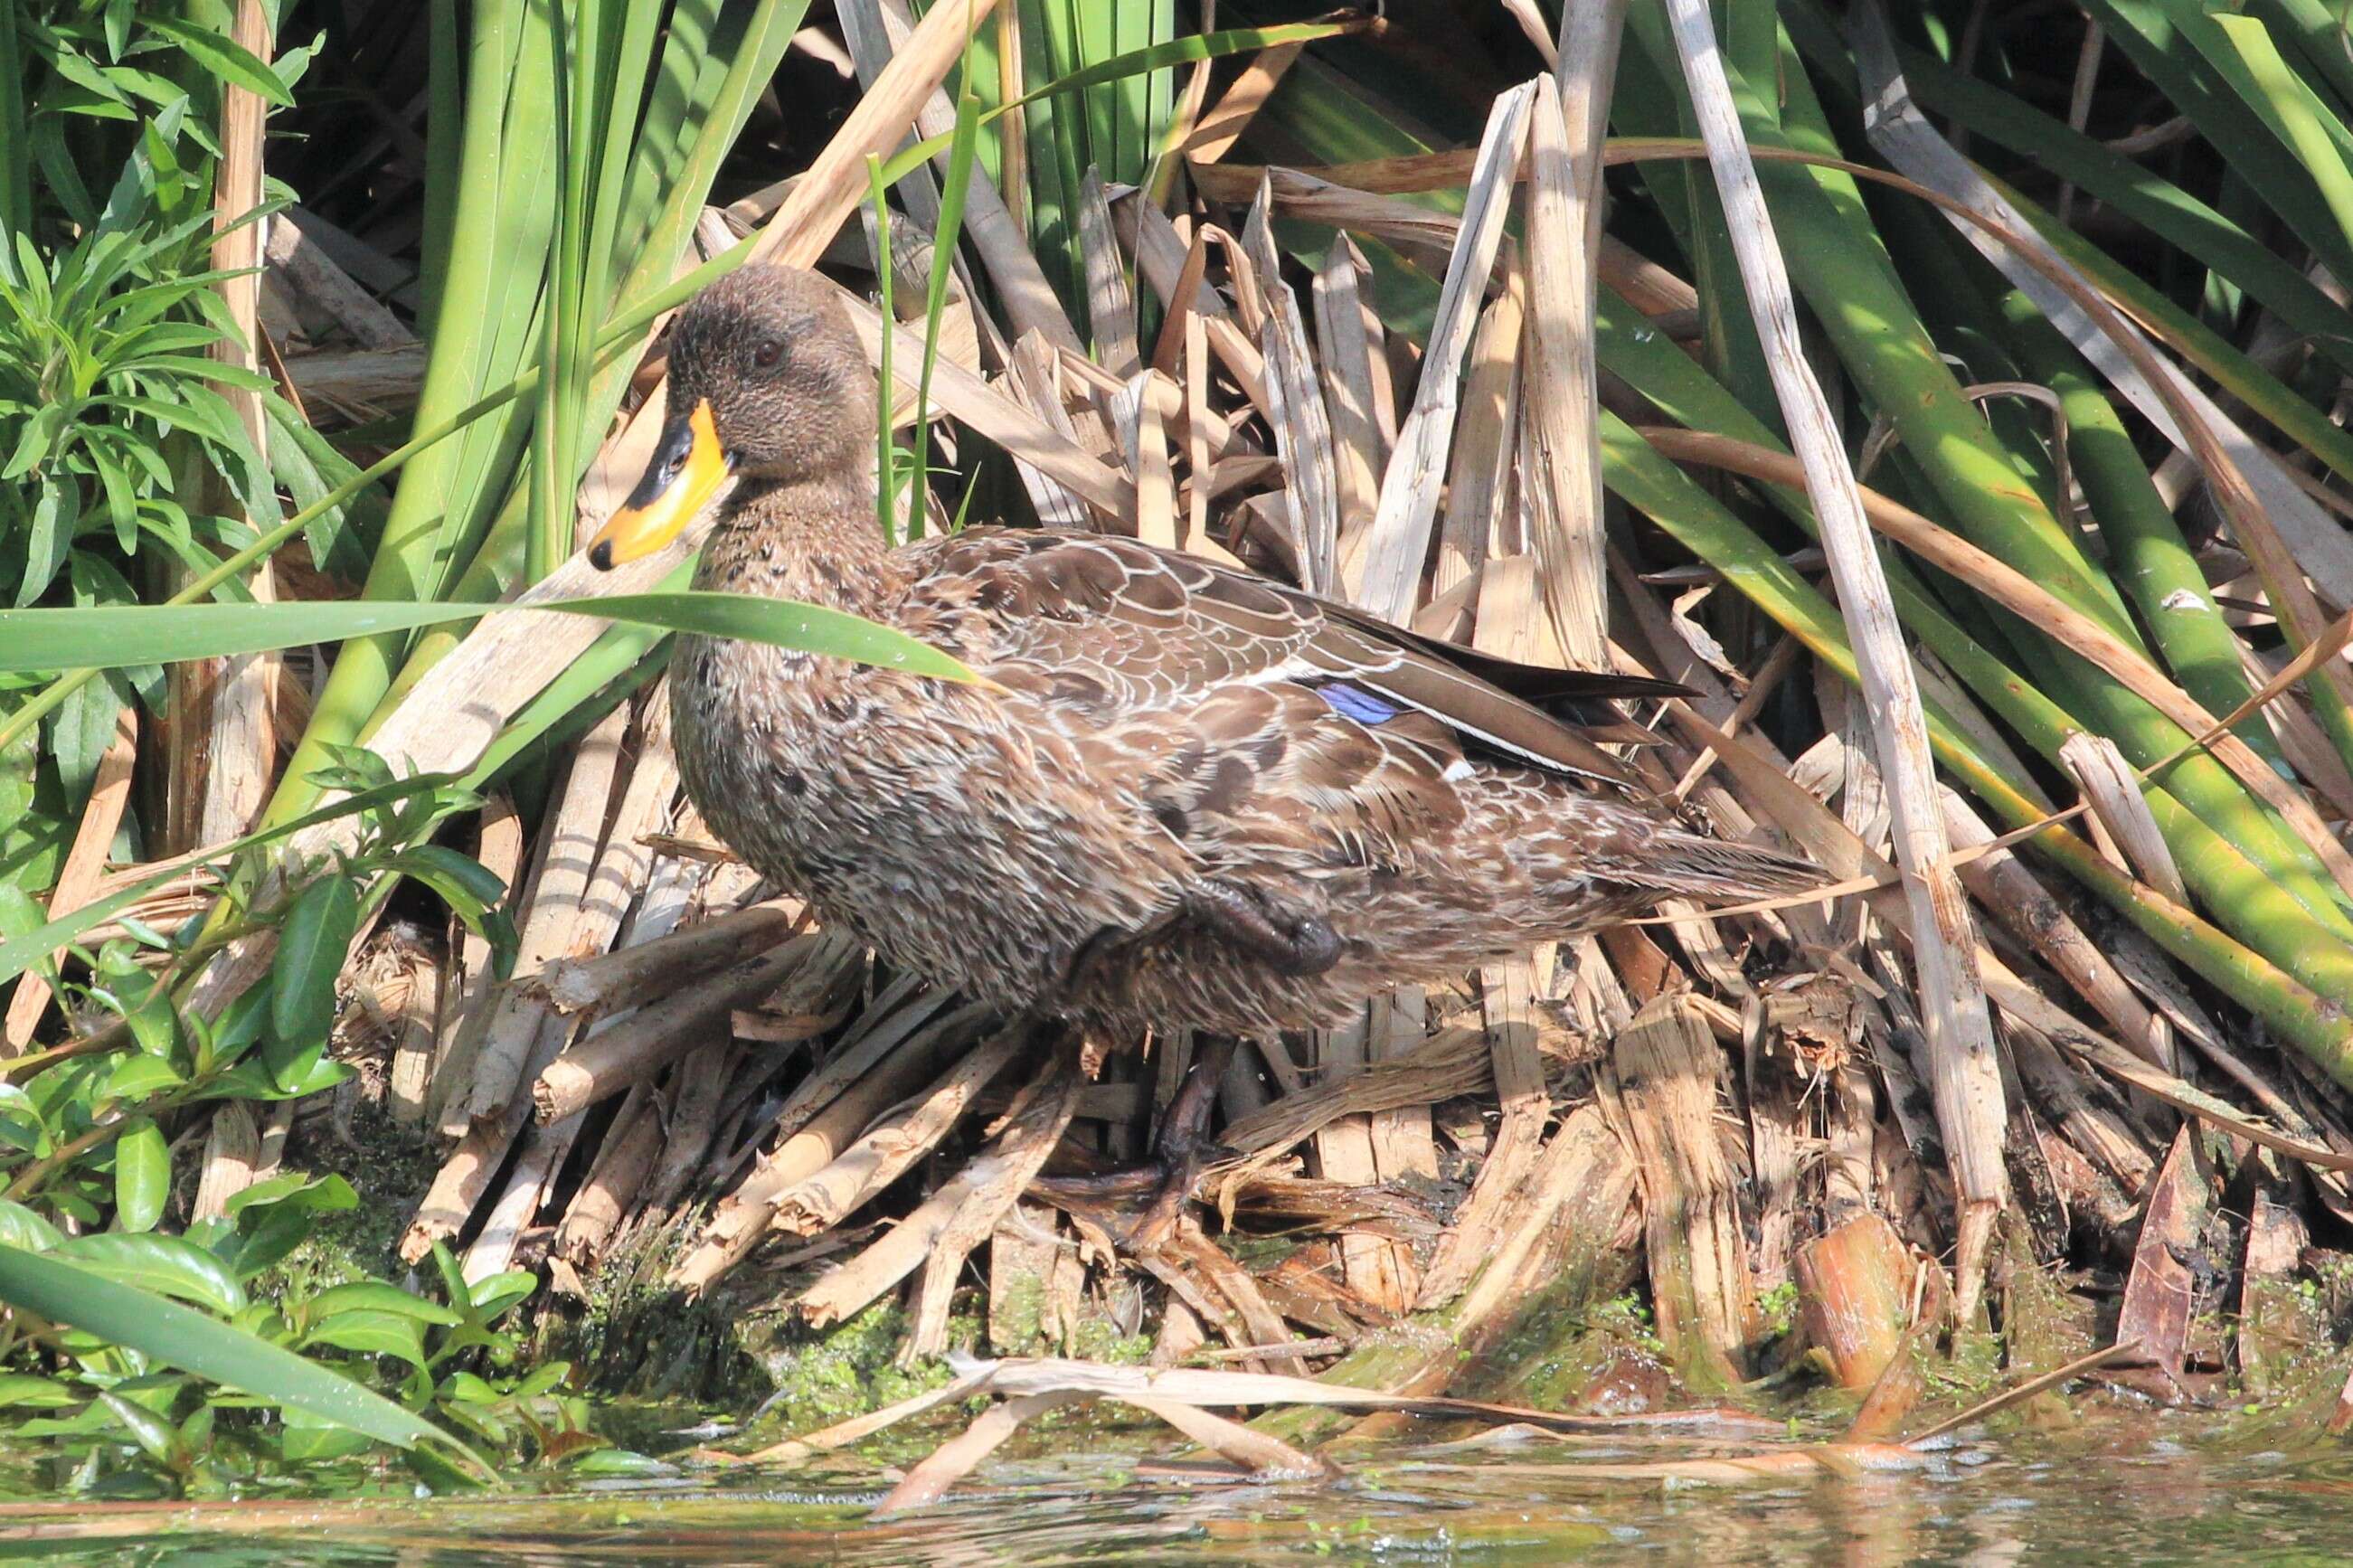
(1288, 940)
(1179, 1153)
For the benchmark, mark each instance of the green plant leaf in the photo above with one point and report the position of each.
(370, 1295)
(181, 1337)
(169, 1265)
(109, 636)
(142, 1176)
(371, 1332)
(22, 1390)
(312, 946)
(222, 56)
(140, 1076)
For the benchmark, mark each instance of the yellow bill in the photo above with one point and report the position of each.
(687, 471)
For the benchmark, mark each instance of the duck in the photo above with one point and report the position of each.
(1177, 795)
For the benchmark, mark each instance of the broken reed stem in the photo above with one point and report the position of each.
(1020, 1153)
(643, 971)
(558, 916)
(1560, 405)
(1399, 540)
(741, 1218)
(1001, 1172)
(1963, 1069)
(2112, 788)
(700, 1088)
(2003, 884)
(889, 1149)
(1659, 1091)
(85, 863)
(610, 1194)
(636, 1047)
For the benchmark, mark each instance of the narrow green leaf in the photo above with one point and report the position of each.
(108, 637)
(222, 56)
(181, 1337)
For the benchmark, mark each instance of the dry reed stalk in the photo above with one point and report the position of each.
(1659, 1092)
(874, 30)
(2160, 1297)
(1302, 195)
(2114, 790)
(1484, 482)
(1303, 427)
(644, 969)
(1189, 1260)
(1397, 1023)
(1031, 380)
(467, 992)
(1561, 417)
(636, 1047)
(1507, 993)
(1583, 1184)
(2018, 900)
(1963, 1067)
(1451, 1063)
(1855, 1292)
(300, 261)
(890, 1148)
(85, 863)
(1777, 1132)
(1265, 1457)
(1020, 1153)
(1001, 1172)
(1111, 308)
(1410, 487)
(457, 1188)
(232, 1152)
(1215, 133)
(955, 1459)
(1346, 355)
(358, 384)
(608, 1194)
(558, 921)
(1161, 256)
(1343, 1154)
(700, 1086)
(1004, 422)
(222, 751)
(417, 1027)
(741, 1218)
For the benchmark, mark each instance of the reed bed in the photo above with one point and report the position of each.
(2007, 587)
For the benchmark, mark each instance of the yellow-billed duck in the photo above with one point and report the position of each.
(1187, 795)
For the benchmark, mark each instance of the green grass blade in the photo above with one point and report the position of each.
(111, 637)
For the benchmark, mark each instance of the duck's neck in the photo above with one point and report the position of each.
(811, 539)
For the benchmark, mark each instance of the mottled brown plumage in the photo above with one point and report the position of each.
(1185, 795)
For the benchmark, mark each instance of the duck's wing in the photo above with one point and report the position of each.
(1106, 629)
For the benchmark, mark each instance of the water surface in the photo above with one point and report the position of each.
(2147, 1487)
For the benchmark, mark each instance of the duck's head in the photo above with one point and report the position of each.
(766, 382)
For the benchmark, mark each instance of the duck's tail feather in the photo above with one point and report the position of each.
(1698, 866)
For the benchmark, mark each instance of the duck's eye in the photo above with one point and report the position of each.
(768, 353)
